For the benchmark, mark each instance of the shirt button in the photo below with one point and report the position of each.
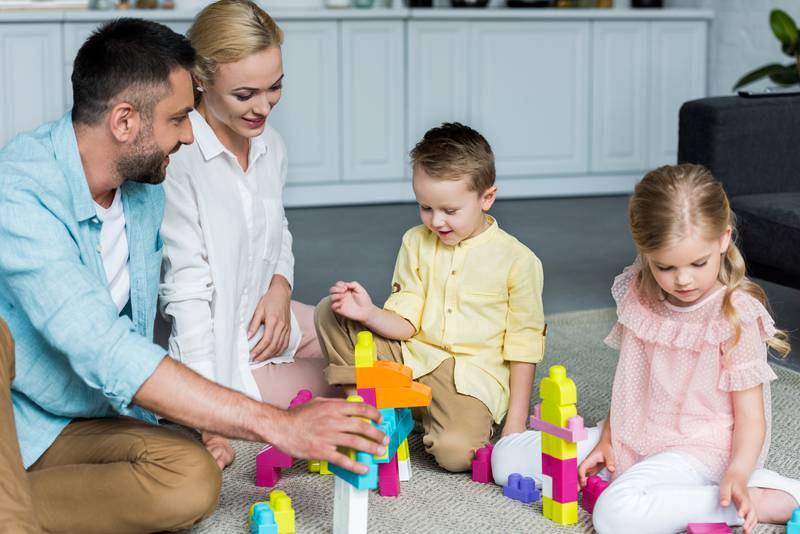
(99, 249)
(449, 310)
(453, 271)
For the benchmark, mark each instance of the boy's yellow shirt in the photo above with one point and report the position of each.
(479, 302)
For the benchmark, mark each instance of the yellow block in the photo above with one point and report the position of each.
(561, 513)
(558, 387)
(558, 448)
(323, 468)
(365, 351)
(281, 506)
(314, 466)
(557, 414)
(402, 451)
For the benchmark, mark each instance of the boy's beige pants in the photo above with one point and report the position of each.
(101, 475)
(454, 425)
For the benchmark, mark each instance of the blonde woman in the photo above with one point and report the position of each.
(228, 264)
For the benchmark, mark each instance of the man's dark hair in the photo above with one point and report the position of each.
(127, 54)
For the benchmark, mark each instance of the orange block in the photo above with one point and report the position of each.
(383, 374)
(409, 397)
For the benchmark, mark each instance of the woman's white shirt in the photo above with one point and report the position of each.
(225, 236)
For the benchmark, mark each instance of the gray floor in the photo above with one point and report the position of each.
(582, 242)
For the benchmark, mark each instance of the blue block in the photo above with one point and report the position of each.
(397, 424)
(793, 526)
(368, 481)
(521, 488)
(263, 520)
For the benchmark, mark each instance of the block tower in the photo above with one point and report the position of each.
(562, 428)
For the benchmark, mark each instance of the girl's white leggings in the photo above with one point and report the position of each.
(661, 494)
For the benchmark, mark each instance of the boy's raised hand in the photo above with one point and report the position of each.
(351, 300)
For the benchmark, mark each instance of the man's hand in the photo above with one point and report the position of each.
(317, 428)
(220, 448)
(351, 300)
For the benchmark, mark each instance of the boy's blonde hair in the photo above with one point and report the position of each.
(228, 31)
(672, 202)
(453, 151)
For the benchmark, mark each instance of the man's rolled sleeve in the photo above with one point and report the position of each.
(525, 328)
(407, 298)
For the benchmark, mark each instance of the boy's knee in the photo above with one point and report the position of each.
(452, 450)
(323, 313)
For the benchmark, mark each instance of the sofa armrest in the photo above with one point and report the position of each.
(752, 145)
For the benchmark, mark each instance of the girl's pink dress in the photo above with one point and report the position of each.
(676, 369)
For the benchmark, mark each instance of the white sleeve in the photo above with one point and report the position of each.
(285, 266)
(186, 289)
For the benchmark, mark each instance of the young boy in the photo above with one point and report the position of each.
(465, 313)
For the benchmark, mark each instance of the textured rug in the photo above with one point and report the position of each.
(436, 501)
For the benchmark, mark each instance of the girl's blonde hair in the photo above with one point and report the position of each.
(671, 203)
(228, 31)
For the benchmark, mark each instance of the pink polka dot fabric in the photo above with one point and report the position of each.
(676, 369)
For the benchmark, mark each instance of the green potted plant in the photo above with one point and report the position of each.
(785, 29)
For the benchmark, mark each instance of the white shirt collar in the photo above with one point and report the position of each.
(210, 146)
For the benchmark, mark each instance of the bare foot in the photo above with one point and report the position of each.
(772, 505)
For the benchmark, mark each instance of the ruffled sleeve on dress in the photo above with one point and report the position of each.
(619, 289)
(744, 365)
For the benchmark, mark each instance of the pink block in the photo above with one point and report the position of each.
(708, 528)
(389, 478)
(573, 433)
(269, 463)
(302, 397)
(564, 474)
(482, 465)
(594, 487)
(368, 394)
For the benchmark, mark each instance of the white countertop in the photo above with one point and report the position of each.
(499, 13)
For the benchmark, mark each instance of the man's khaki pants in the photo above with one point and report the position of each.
(454, 425)
(101, 475)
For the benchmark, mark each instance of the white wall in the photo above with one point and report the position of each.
(741, 39)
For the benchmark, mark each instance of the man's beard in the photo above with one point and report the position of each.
(145, 163)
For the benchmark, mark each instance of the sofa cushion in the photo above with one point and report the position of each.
(769, 226)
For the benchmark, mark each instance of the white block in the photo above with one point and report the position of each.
(404, 469)
(547, 486)
(350, 507)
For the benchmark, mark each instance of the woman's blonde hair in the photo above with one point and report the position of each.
(228, 31)
(671, 203)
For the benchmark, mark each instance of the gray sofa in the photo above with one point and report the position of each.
(752, 145)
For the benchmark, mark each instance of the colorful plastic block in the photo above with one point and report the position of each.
(521, 489)
(384, 375)
(389, 478)
(269, 463)
(564, 476)
(350, 508)
(397, 424)
(323, 468)
(313, 466)
(368, 394)
(482, 465)
(793, 526)
(574, 432)
(412, 396)
(365, 351)
(561, 513)
(281, 505)
(594, 487)
(366, 481)
(303, 396)
(262, 519)
(708, 528)
(558, 448)
(404, 461)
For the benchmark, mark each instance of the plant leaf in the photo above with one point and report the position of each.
(761, 72)
(786, 76)
(784, 28)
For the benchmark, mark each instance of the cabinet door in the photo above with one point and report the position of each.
(530, 94)
(678, 63)
(373, 104)
(619, 96)
(308, 114)
(31, 74)
(437, 75)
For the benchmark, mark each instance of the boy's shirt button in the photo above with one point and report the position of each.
(453, 272)
(449, 310)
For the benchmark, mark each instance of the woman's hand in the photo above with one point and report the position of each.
(351, 300)
(734, 486)
(220, 448)
(601, 456)
(274, 312)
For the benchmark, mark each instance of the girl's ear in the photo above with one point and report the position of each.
(488, 197)
(725, 240)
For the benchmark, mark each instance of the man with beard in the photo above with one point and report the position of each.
(80, 257)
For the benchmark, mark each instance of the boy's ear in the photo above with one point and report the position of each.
(488, 197)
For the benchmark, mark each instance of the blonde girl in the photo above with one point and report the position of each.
(228, 264)
(689, 423)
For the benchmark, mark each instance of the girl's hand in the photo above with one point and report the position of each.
(273, 311)
(601, 456)
(734, 486)
(220, 448)
(351, 300)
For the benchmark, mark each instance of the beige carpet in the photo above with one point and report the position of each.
(435, 501)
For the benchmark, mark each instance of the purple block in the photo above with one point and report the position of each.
(368, 394)
(594, 487)
(269, 463)
(708, 528)
(564, 474)
(521, 488)
(389, 478)
(482, 465)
